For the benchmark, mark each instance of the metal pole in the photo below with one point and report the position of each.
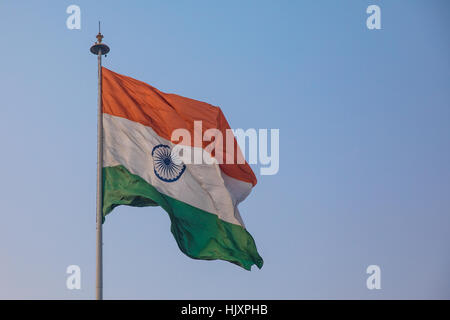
(99, 273)
(99, 49)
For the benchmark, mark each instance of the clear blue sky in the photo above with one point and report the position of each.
(364, 161)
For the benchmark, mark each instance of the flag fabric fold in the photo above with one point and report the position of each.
(138, 169)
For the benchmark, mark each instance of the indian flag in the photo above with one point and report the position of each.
(139, 169)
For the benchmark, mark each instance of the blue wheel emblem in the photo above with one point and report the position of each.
(166, 167)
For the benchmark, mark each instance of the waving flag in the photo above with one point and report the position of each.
(139, 169)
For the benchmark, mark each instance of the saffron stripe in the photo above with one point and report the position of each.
(137, 101)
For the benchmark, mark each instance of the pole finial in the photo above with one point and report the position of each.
(99, 47)
(99, 35)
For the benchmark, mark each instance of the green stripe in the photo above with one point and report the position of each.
(199, 234)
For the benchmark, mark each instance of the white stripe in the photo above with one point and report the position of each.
(203, 186)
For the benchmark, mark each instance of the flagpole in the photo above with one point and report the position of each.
(99, 49)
